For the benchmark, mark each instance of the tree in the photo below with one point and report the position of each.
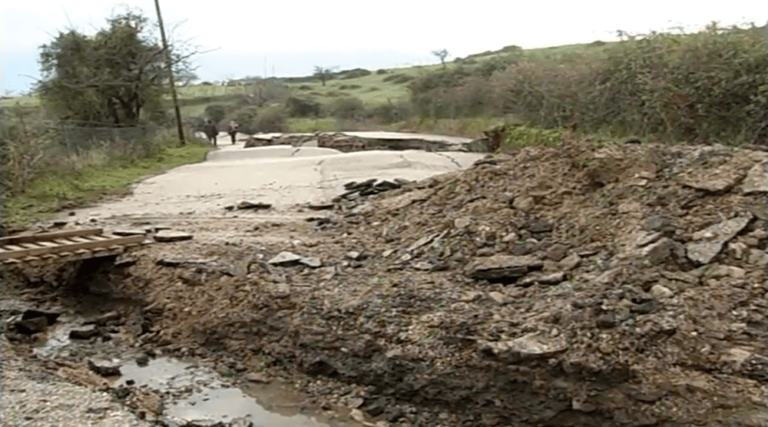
(441, 54)
(110, 77)
(216, 112)
(324, 74)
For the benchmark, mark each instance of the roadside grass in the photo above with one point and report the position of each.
(55, 190)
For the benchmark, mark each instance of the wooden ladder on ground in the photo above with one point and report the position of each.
(68, 245)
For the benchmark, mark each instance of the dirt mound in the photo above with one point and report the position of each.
(622, 285)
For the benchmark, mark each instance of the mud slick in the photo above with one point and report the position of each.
(622, 285)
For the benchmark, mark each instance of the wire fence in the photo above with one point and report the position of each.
(78, 139)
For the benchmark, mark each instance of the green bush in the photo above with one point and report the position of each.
(216, 112)
(398, 78)
(298, 107)
(707, 87)
(271, 119)
(524, 136)
(246, 118)
(390, 113)
(348, 108)
(382, 71)
(353, 74)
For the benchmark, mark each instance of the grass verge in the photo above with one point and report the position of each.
(54, 191)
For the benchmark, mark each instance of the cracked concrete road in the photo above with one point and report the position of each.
(283, 176)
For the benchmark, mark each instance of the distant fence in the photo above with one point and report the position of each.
(76, 139)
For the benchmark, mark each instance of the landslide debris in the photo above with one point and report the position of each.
(622, 285)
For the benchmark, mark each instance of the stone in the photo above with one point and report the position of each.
(387, 253)
(722, 271)
(320, 206)
(704, 251)
(758, 258)
(129, 232)
(502, 267)
(50, 316)
(557, 252)
(570, 262)
(142, 360)
(353, 255)
(656, 223)
(285, 258)
(104, 368)
(423, 265)
(606, 321)
(511, 237)
(462, 223)
(179, 261)
(311, 262)
(737, 249)
(659, 252)
(421, 242)
(253, 206)
(756, 180)
(661, 292)
(257, 377)
(524, 204)
(167, 236)
(84, 332)
(31, 326)
(722, 178)
(648, 238)
(105, 318)
(680, 277)
(527, 347)
(542, 279)
(498, 297)
(282, 290)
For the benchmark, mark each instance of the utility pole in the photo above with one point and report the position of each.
(265, 67)
(169, 64)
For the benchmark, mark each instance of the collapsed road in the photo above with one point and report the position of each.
(575, 285)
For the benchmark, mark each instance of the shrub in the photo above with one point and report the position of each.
(348, 108)
(353, 74)
(398, 78)
(216, 112)
(305, 87)
(390, 113)
(382, 71)
(271, 119)
(298, 107)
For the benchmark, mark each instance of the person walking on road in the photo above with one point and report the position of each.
(233, 128)
(211, 131)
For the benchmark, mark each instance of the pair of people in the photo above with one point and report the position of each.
(211, 131)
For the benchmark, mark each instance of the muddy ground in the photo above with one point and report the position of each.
(622, 285)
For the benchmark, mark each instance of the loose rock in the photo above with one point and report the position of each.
(285, 258)
(709, 242)
(84, 332)
(502, 267)
(172, 236)
(104, 368)
(245, 205)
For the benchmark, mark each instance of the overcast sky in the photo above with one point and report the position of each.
(294, 36)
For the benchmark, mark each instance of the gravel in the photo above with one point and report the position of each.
(30, 397)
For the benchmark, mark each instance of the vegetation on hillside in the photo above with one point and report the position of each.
(703, 87)
(99, 124)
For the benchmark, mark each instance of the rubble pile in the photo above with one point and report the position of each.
(622, 285)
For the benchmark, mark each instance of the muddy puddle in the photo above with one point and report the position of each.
(199, 397)
(194, 395)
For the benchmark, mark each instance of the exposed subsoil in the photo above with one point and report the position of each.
(569, 286)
